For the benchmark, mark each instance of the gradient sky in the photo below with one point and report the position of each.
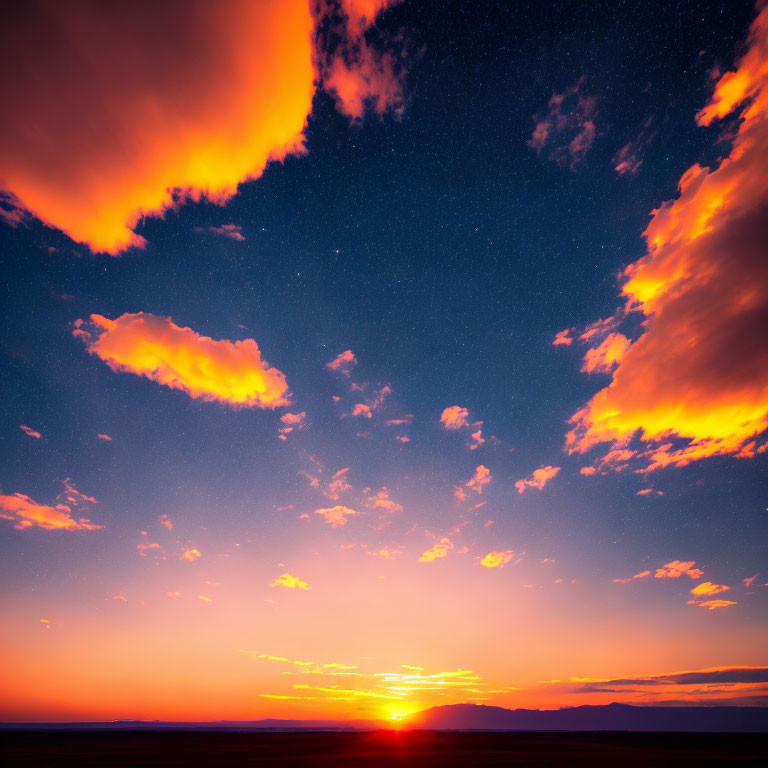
(359, 357)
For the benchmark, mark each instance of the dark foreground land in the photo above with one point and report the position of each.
(89, 749)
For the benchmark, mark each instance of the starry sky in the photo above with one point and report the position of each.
(362, 356)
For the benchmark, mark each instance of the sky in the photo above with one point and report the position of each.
(364, 356)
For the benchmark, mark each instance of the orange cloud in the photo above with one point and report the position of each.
(143, 549)
(289, 582)
(235, 80)
(381, 500)
(476, 440)
(641, 575)
(356, 73)
(707, 589)
(25, 513)
(677, 568)
(538, 479)
(29, 431)
(711, 605)
(563, 338)
(695, 383)
(587, 471)
(454, 417)
(646, 491)
(497, 559)
(361, 409)
(338, 485)
(403, 438)
(104, 437)
(748, 581)
(155, 347)
(439, 549)
(343, 363)
(166, 521)
(336, 516)
(190, 555)
(480, 478)
(291, 422)
(603, 358)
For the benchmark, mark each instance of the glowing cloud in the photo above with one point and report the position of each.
(29, 431)
(232, 231)
(695, 383)
(707, 589)
(455, 417)
(236, 81)
(497, 559)
(336, 516)
(25, 513)
(711, 605)
(289, 582)
(343, 363)
(155, 347)
(603, 358)
(439, 549)
(166, 521)
(479, 479)
(190, 555)
(677, 568)
(105, 438)
(563, 338)
(538, 479)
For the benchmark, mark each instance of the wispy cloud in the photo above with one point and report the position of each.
(24, 512)
(336, 516)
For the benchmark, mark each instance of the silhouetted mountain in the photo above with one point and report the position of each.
(610, 717)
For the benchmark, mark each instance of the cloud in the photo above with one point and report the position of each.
(538, 479)
(355, 72)
(568, 129)
(289, 582)
(104, 437)
(382, 500)
(607, 355)
(695, 382)
(24, 512)
(563, 338)
(707, 589)
(455, 417)
(677, 568)
(338, 485)
(641, 575)
(712, 605)
(29, 431)
(628, 159)
(291, 422)
(361, 409)
(646, 491)
(343, 363)
(190, 555)
(136, 113)
(712, 675)
(497, 559)
(403, 438)
(480, 478)
(336, 516)
(155, 347)
(587, 471)
(476, 440)
(439, 549)
(748, 581)
(144, 549)
(232, 231)
(165, 521)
